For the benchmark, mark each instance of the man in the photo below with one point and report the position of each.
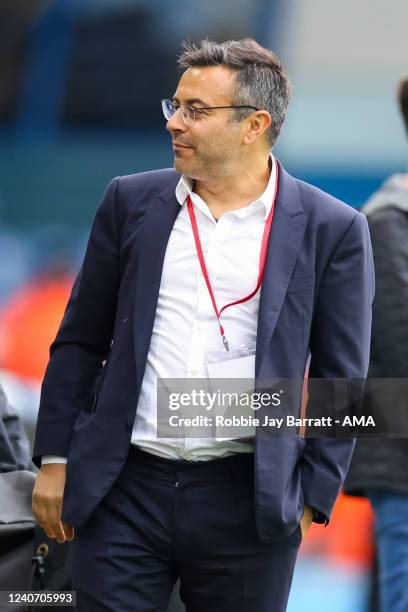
(379, 469)
(168, 251)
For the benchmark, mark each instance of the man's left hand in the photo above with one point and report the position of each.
(306, 520)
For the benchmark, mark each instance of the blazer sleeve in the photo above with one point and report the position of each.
(340, 348)
(84, 337)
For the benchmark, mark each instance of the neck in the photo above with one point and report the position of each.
(237, 190)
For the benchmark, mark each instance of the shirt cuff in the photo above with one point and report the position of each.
(52, 459)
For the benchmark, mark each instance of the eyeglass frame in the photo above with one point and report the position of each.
(199, 109)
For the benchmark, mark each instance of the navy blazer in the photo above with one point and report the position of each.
(315, 299)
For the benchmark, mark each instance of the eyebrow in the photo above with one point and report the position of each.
(192, 101)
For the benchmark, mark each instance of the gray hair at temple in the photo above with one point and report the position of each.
(261, 80)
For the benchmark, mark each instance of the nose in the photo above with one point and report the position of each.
(176, 123)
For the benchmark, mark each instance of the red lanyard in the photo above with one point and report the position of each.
(262, 257)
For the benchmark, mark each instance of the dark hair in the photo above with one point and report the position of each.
(261, 80)
(403, 99)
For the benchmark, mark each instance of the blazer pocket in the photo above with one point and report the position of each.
(301, 283)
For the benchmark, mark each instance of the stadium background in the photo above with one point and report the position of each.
(80, 89)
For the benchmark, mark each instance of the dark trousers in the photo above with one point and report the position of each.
(165, 519)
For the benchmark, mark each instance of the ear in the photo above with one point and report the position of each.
(255, 125)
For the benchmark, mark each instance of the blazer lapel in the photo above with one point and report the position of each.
(160, 216)
(286, 237)
(285, 240)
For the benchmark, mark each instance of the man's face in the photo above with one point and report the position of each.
(212, 147)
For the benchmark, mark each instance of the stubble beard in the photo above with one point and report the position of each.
(212, 163)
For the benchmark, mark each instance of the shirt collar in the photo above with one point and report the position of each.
(185, 185)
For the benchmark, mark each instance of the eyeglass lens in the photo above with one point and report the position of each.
(187, 113)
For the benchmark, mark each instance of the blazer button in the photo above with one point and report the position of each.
(128, 426)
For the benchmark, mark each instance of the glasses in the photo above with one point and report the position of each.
(190, 113)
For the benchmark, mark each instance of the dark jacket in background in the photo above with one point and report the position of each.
(382, 463)
(14, 446)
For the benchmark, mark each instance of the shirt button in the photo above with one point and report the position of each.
(193, 372)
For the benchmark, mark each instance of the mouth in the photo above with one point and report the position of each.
(177, 146)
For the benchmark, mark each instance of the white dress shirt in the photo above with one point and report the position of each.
(185, 326)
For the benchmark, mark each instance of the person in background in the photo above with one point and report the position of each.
(379, 468)
(14, 444)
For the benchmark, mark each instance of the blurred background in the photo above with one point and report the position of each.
(80, 89)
